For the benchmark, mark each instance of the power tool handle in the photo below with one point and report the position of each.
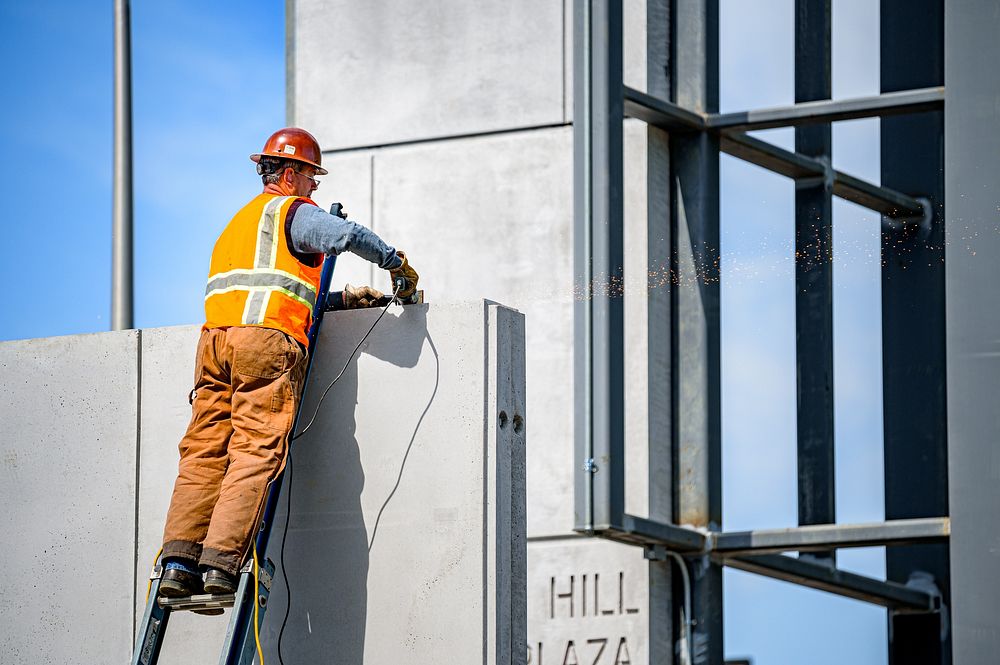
(337, 210)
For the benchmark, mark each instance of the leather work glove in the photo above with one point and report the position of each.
(408, 274)
(358, 297)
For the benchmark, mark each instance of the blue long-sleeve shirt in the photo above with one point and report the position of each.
(311, 230)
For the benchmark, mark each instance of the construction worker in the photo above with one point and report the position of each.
(251, 358)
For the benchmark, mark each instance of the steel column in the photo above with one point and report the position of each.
(814, 276)
(694, 160)
(598, 264)
(659, 472)
(913, 318)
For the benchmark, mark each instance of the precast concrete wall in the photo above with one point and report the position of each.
(406, 541)
(447, 129)
(68, 450)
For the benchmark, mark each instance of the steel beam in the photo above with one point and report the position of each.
(890, 595)
(660, 113)
(676, 118)
(814, 277)
(830, 110)
(913, 320)
(598, 264)
(644, 532)
(883, 200)
(826, 536)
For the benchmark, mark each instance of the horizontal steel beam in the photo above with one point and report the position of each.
(830, 110)
(891, 595)
(826, 536)
(663, 114)
(887, 202)
(882, 200)
(641, 531)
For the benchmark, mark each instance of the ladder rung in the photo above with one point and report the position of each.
(203, 601)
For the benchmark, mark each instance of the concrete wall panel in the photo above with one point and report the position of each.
(375, 73)
(972, 190)
(67, 484)
(492, 215)
(393, 494)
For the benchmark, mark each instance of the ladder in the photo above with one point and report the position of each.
(239, 647)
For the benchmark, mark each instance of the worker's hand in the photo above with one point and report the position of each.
(408, 274)
(358, 297)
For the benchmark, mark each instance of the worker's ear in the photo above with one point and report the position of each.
(287, 175)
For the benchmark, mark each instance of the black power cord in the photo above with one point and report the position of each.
(288, 505)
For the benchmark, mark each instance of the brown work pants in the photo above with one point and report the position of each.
(247, 386)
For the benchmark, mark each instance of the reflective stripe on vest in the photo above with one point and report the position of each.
(263, 279)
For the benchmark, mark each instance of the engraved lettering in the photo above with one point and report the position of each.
(568, 595)
(603, 641)
(621, 592)
(570, 652)
(622, 657)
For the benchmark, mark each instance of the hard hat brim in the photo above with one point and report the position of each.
(319, 169)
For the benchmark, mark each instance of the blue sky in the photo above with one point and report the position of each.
(209, 86)
(209, 83)
(772, 621)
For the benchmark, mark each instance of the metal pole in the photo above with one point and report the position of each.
(121, 234)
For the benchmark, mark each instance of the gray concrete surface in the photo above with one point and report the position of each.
(392, 547)
(68, 427)
(368, 74)
(588, 603)
(492, 214)
(407, 539)
(972, 190)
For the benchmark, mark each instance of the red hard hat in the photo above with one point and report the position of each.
(295, 144)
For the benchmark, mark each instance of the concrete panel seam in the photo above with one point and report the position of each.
(564, 106)
(371, 208)
(447, 137)
(488, 380)
(138, 452)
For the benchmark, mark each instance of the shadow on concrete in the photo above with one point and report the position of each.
(326, 551)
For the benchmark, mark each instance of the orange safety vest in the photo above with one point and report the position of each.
(254, 279)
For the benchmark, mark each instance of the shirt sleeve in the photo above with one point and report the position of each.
(315, 230)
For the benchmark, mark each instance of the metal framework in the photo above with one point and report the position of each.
(697, 135)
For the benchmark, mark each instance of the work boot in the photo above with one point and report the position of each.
(219, 582)
(177, 582)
